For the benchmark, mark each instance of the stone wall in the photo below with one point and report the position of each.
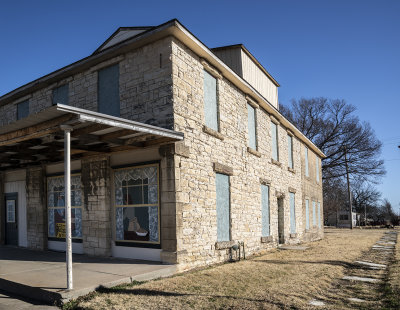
(145, 87)
(96, 215)
(312, 190)
(229, 147)
(36, 208)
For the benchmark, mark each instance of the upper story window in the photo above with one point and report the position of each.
(317, 168)
(22, 109)
(108, 90)
(290, 151)
(251, 118)
(210, 101)
(306, 161)
(274, 141)
(60, 94)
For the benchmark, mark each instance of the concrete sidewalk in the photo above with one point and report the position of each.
(41, 275)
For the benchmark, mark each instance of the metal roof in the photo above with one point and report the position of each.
(38, 138)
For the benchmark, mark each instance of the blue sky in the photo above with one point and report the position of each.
(336, 49)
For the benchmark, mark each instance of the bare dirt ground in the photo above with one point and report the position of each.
(279, 279)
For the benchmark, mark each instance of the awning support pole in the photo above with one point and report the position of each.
(67, 181)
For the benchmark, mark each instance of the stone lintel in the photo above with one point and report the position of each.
(292, 190)
(252, 102)
(265, 181)
(210, 69)
(293, 235)
(220, 168)
(253, 151)
(213, 132)
(291, 170)
(174, 149)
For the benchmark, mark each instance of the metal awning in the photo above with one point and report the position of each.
(39, 139)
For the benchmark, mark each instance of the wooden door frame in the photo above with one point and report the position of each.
(10, 196)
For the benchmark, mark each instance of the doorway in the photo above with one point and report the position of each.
(281, 220)
(11, 218)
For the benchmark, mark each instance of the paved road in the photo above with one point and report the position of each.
(12, 302)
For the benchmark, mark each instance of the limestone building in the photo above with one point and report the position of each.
(178, 152)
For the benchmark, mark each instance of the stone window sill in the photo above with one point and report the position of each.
(291, 170)
(267, 239)
(221, 245)
(293, 235)
(275, 162)
(253, 151)
(213, 132)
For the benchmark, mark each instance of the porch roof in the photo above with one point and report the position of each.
(38, 138)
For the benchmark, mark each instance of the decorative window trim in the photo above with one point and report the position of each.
(223, 169)
(48, 208)
(138, 243)
(210, 69)
(213, 132)
(253, 151)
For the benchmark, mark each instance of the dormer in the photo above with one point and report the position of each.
(243, 63)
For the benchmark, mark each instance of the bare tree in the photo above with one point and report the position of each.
(366, 199)
(331, 125)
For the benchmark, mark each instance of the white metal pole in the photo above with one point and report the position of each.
(67, 181)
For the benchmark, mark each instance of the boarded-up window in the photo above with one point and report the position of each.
(314, 214)
(60, 94)
(274, 141)
(108, 90)
(23, 109)
(251, 117)
(265, 210)
(317, 167)
(290, 151)
(319, 215)
(223, 207)
(306, 159)
(307, 214)
(210, 101)
(292, 214)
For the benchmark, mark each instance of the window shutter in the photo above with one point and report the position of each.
(108, 90)
(223, 207)
(292, 214)
(251, 118)
(210, 101)
(307, 214)
(265, 210)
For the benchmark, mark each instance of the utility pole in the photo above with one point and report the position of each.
(348, 188)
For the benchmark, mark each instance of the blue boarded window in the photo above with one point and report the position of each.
(265, 231)
(307, 214)
(314, 214)
(274, 141)
(290, 151)
(251, 118)
(223, 207)
(210, 101)
(306, 159)
(60, 94)
(319, 215)
(317, 167)
(108, 90)
(23, 109)
(292, 214)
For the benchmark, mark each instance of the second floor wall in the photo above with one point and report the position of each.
(136, 86)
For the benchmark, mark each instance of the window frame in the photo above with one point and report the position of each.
(57, 88)
(268, 211)
(229, 207)
(306, 159)
(276, 140)
(293, 226)
(58, 176)
(307, 205)
(290, 151)
(217, 107)
(136, 243)
(253, 109)
(20, 113)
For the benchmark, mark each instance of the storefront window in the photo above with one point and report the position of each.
(137, 204)
(56, 207)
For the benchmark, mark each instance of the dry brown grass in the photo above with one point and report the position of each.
(278, 279)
